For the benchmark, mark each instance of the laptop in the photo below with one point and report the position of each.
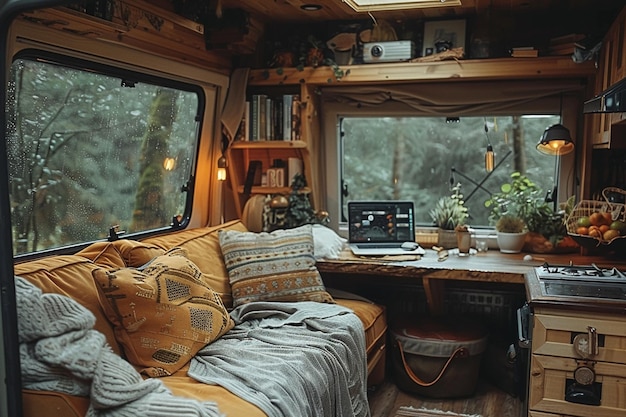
(378, 228)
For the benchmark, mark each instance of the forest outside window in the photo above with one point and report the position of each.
(93, 147)
(421, 158)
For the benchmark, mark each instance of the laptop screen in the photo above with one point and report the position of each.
(381, 221)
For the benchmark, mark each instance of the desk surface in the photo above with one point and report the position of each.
(491, 266)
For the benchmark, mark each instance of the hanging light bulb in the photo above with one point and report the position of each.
(490, 159)
(221, 169)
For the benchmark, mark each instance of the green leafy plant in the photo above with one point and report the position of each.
(450, 211)
(524, 199)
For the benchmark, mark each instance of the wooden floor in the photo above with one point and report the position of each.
(488, 401)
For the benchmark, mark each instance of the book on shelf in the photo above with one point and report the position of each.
(274, 118)
(243, 133)
(256, 109)
(295, 118)
(524, 52)
(566, 44)
(570, 38)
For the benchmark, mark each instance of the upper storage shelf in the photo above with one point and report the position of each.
(476, 69)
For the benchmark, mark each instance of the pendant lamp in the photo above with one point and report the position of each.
(556, 140)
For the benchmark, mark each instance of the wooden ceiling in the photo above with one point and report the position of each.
(278, 11)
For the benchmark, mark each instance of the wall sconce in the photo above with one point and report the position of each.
(555, 140)
(221, 168)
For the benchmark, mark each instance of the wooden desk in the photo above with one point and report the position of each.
(491, 266)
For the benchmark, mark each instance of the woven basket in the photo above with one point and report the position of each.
(586, 208)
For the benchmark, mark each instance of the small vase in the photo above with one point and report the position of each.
(464, 242)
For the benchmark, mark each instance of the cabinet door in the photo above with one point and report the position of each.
(554, 334)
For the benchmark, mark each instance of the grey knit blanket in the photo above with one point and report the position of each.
(291, 359)
(60, 351)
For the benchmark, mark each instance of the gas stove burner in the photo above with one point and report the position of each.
(581, 271)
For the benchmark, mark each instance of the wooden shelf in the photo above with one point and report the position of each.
(272, 190)
(471, 69)
(269, 144)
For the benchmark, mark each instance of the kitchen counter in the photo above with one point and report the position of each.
(490, 266)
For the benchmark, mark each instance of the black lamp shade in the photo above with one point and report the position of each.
(555, 140)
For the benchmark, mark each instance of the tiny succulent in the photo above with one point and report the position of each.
(450, 211)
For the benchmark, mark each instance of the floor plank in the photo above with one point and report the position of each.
(488, 401)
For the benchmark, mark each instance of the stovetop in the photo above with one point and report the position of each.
(587, 281)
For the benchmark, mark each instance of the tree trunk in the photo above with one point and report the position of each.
(149, 209)
(519, 156)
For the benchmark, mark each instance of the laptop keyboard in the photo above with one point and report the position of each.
(379, 245)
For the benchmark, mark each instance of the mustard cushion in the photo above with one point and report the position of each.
(203, 248)
(163, 313)
(276, 266)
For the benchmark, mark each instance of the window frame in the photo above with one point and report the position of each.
(79, 64)
(205, 191)
(332, 113)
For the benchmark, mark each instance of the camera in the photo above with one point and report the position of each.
(392, 51)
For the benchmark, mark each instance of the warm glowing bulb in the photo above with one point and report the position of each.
(490, 159)
(556, 144)
(221, 169)
(169, 164)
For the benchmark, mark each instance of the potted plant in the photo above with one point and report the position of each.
(524, 200)
(510, 233)
(448, 214)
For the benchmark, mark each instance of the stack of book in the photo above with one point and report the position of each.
(271, 118)
(524, 52)
(566, 44)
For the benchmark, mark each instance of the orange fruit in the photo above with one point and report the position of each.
(594, 231)
(608, 218)
(603, 228)
(582, 230)
(596, 219)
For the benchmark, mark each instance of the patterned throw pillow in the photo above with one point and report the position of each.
(162, 312)
(276, 266)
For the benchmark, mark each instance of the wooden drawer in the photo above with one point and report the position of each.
(551, 376)
(553, 335)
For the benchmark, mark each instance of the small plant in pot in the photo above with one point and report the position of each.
(448, 214)
(511, 233)
(524, 199)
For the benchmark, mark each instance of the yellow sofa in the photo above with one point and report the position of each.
(71, 275)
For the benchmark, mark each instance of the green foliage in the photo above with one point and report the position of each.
(522, 198)
(75, 158)
(450, 211)
(429, 149)
(300, 211)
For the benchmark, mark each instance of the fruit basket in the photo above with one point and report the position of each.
(595, 223)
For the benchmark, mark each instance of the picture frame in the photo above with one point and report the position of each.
(443, 34)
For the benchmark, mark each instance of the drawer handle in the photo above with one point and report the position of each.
(586, 345)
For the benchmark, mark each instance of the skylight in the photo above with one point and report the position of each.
(381, 5)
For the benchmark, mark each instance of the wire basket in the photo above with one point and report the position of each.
(586, 208)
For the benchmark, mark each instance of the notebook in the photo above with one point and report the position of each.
(380, 228)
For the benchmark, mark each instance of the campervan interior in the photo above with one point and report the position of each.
(196, 160)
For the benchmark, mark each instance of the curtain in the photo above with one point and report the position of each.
(457, 98)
